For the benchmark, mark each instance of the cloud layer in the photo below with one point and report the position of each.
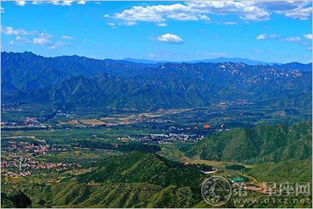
(35, 37)
(54, 2)
(200, 11)
(291, 39)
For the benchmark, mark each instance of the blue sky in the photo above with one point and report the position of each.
(267, 31)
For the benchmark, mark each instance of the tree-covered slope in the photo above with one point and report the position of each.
(136, 179)
(15, 199)
(27, 71)
(144, 180)
(107, 196)
(111, 91)
(144, 167)
(287, 171)
(269, 143)
(74, 80)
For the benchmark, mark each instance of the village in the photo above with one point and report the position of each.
(20, 153)
(162, 138)
(29, 122)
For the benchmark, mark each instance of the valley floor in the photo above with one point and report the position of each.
(155, 159)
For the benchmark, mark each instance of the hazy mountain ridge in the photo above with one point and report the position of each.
(213, 60)
(73, 80)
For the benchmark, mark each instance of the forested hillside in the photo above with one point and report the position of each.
(269, 143)
(74, 80)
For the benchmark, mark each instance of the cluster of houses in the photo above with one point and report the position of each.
(16, 174)
(25, 166)
(36, 148)
(20, 157)
(163, 138)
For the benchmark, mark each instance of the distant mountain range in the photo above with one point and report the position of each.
(215, 60)
(234, 60)
(80, 81)
(222, 60)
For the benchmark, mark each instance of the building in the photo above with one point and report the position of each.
(209, 170)
(239, 179)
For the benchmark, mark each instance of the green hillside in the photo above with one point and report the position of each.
(15, 199)
(109, 195)
(269, 143)
(144, 167)
(140, 179)
(288, 171)
(133, 180)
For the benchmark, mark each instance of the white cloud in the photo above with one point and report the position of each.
(300, 10)
(299, 13)
(21, 38)
(81, 2)
(12, 31)
(290, 39)
(111, 24)
(40, 41)
(170, 38)
(229, 23)
(57, 44)
(67, 3)
(261, 37)
(294, 9)
(159, 13)
(130, 23)
(192, 11)
(308, 36)
(199, 11)
(20, 3)
(59, 3)
(244, 9)
(2, 9)
(267, 36)
(62, 3)
(34, 37)
(161, 24)
(37, 2)
(67, 37)
(293, 39)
